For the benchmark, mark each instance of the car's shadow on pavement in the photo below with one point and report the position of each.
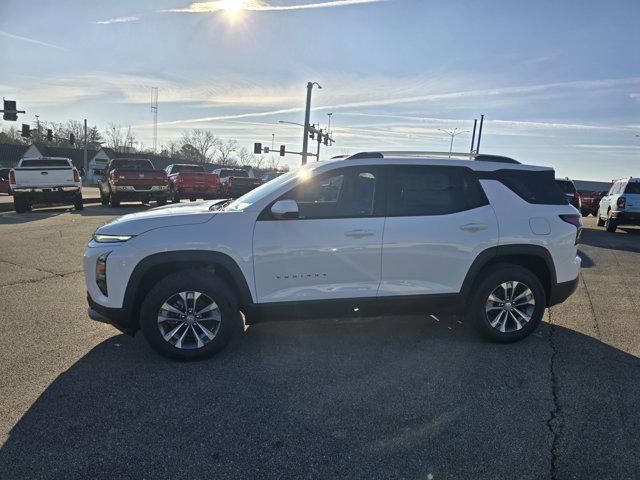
(627, 239)
(370, 398)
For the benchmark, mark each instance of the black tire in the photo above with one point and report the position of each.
(198, 280)
(114, 201)
(175, 198)
(489, 280)
(584, 213)
(600, 221)
(77, 203)
(19, 204)
(192, 199)
(161, 201)
(104, 200)
(611, 224)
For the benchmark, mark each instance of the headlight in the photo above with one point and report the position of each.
(101, 273)
(111, 238)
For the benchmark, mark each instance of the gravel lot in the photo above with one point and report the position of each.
(353, 398)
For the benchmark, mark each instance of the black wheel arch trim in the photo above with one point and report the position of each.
(494, 253)
(203, 257)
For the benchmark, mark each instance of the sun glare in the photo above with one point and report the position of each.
(233, 8)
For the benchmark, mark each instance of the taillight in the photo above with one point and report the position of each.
(12, 177)
(621, 202)
(76, 175)
(576, 221)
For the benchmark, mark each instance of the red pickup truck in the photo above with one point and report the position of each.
(192, 182)
(133, 180)
(591, 202)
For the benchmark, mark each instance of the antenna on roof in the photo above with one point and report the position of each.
(154, 110)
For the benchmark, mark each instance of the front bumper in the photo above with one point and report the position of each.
(626, 218)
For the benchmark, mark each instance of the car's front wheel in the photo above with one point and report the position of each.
(189, 315)
(507, 304)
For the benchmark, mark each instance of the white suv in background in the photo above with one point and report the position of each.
(374, 233)
(621, 206)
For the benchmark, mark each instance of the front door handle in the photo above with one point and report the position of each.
(474, 227)
(359, 233)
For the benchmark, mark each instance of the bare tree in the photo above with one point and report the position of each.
(274, 163)
(226, 153)
(118, 139)
(203, 143)
(245, 157)
(12, 135)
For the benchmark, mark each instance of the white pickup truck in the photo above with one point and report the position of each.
(46, 180)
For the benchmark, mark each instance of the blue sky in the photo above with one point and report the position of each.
(559, 82)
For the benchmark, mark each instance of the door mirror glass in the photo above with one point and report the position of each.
(284, 209)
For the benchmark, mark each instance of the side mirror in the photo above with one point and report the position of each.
(284, 209)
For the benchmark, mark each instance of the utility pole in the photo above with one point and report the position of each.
(273, 140)
(473, 136)
(86, 166)
(319, 142)
(480, 133)
(307, 115)
(329, 126)
(452, 133)
(154, 110)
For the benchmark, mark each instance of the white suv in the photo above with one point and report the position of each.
(621, 206)
(373, 233)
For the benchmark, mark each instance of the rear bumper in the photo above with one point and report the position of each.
(626, 218)
(130, 192)
(49, 195)
(199, 192)
(561, 291)
(118, 317)
(235, 192)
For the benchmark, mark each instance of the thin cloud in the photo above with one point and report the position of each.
(261, 6)
(31, 40)
(117, 20)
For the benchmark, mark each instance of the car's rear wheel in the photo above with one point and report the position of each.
(600, 221)
(104, 199)
(611, 224)
(161, 201)
(507, 304)
(190, 315)
(20, 204)
(114, 201)
(77, 202)
(192, 199)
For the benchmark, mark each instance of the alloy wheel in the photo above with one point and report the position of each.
(189, 320)
(510, 306)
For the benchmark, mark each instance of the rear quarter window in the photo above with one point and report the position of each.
(566, 186)
(536, 187)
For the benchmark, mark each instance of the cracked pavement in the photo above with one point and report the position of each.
(384, 397)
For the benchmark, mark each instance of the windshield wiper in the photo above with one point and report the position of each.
(220, 206)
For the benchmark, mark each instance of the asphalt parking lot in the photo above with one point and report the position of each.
(403, 397)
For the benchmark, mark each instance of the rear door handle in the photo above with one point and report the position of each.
(474, 227)
(359, 233)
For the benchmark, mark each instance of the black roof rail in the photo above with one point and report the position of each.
(494, 158)
(365, 155)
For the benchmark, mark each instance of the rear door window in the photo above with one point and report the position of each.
(44, 163)
(566, 186)
(416, 190)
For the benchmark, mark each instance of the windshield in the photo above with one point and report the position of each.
(566, 186)
(187, 168)
(132, 164)
(259, 193)
(233, 173)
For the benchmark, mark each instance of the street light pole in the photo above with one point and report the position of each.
(329, 126)
(307, 115)
(452, 133)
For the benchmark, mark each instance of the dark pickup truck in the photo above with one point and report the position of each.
(133, 180)
(235, 182)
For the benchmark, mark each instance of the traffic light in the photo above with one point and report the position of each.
(326, 140)
(10, 111)
(257, 148)
(282, 149)
(26, 130)
(312, 136)
(72, 138)
(49, 135)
